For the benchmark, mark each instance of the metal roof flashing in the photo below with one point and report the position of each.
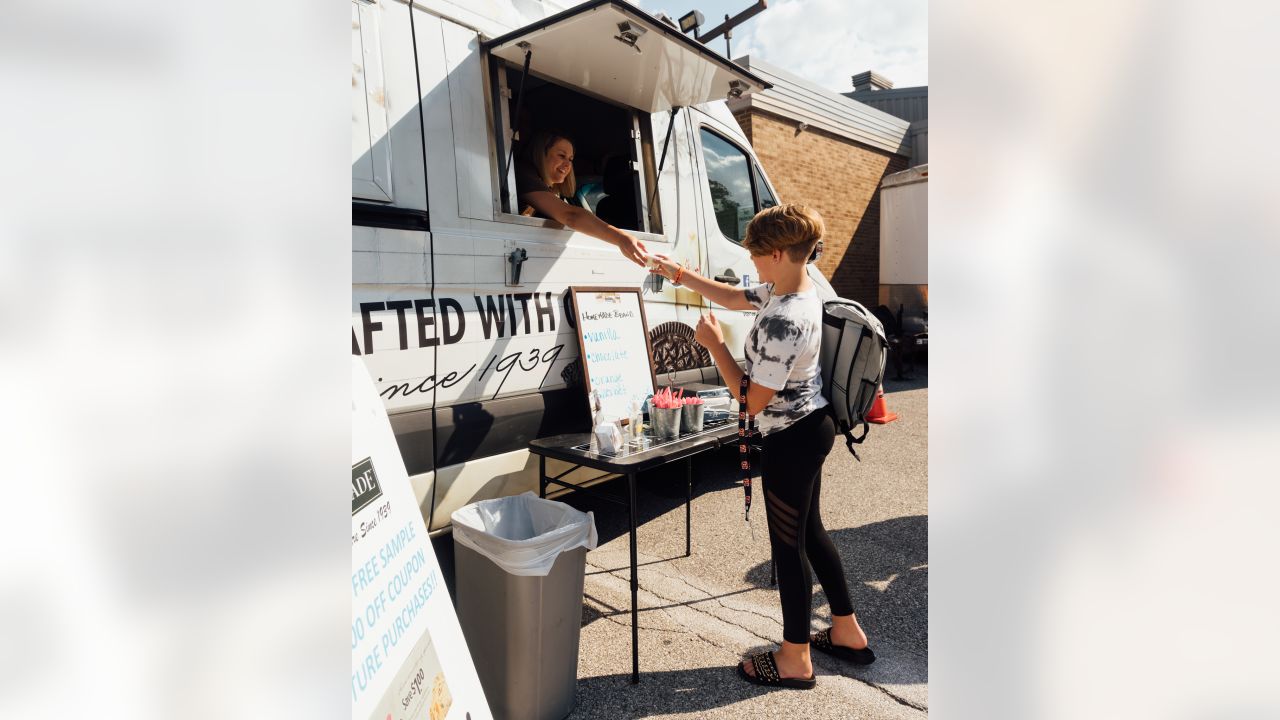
(797, 99)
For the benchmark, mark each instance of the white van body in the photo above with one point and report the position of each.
(471, 366)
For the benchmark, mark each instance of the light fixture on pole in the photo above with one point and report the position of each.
(691, 20)
(726, 28)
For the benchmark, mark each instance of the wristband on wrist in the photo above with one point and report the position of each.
(679, 271)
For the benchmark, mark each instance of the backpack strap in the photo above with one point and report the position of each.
(861, 436)
(849, 439)
(747, 431)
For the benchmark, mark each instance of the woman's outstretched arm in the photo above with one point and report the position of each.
(583, 221)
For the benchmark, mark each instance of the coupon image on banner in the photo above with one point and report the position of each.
(421, 690)
(409, 658)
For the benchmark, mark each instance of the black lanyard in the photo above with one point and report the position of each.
(746, 431)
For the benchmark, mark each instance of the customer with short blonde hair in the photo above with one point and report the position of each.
(794, 229)
(785, 393)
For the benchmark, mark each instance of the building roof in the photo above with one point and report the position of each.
(910, 103)
(800, 100)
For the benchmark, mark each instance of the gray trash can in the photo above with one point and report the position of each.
(518, 569)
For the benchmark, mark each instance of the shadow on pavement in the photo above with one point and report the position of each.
(670, 692)
(917, 379)
(886, 567)
(658, 492)
(590, 613)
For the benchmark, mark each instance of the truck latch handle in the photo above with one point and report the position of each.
(515, 260)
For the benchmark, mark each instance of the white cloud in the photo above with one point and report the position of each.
(828, 41)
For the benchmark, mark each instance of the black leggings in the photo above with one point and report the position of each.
(792, 479)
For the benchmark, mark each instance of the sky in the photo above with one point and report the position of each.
(824, 41)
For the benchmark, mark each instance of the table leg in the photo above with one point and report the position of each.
(635, 584)
(542, 476)
(688, 507)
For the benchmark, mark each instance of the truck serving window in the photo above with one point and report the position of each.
(600, 71)
(729, 177)
(614, 168)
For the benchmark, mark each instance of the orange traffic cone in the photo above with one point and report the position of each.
(880, 411)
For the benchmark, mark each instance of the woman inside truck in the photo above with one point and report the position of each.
(544, 182)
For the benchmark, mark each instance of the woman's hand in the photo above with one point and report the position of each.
(708, 333)
(632, 248)
(665, 266)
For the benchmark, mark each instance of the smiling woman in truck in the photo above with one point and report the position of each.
(544, 179)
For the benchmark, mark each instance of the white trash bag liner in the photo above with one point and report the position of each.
(523, 534)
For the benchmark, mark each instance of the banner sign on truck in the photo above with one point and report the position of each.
(408, 656)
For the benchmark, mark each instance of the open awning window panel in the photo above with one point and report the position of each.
(617, 52)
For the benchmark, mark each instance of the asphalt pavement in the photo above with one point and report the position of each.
(701, 614)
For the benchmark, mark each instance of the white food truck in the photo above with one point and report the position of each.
(458, 304)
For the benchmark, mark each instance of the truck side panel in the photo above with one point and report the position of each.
(471, 364)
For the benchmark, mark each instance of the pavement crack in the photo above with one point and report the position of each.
(627, 624)
(676, 603)
(709, 595)
(895, 698)
(838, 669)
(666, 611)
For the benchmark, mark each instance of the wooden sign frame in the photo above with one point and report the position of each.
(582, 351)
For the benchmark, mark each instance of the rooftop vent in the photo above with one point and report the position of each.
(871, 81)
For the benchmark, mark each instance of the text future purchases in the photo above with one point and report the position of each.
(408, 656)
(614, 339)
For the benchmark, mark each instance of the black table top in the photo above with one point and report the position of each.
(569, 447)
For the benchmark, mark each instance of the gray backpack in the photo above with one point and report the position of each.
(854, 348)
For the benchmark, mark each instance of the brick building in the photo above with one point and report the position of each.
(830, 152)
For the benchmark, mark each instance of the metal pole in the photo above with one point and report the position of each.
(730, 23)
(635, 585)
(688, 506)
(671, 123)
(515, 131)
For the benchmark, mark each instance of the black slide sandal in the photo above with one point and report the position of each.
(822, 641)
(767, 674)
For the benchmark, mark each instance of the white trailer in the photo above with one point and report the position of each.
(904, 241)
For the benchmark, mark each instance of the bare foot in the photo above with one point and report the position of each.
(791, 663)
(846, 632)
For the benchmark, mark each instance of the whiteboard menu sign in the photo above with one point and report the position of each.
(409, 658)
(617, 360)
